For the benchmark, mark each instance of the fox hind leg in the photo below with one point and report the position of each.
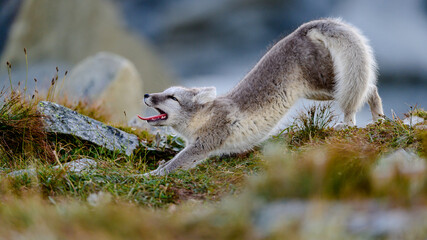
(349, 107)
(349, 120)
(375, 104)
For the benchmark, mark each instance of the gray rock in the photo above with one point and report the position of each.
(85, 28)
(79, 165)
(408, 163)
(76, 166)
(108, 78)
(271, 217)
(412, 120)
(59, 119)
(318, 220)
(379, 223)
(99, 198)
(30, 172)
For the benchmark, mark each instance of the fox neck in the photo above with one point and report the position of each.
(188, 128)
(182, 130)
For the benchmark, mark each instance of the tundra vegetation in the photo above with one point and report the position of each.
(307, 162)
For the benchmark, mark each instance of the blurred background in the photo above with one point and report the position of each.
(115, 50)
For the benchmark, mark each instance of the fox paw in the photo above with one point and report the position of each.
(158, 172)
(341, 126)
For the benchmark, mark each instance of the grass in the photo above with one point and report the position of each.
(24, 143)
(22, 135)
(309, 161)
(312, 123)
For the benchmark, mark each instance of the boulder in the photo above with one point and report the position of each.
(406, 162)
(109, 79)
(69, 31)
(59, 119)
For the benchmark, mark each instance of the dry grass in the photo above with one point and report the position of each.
(217, 200)
(311, 124)
(22, 135)
(95, 110)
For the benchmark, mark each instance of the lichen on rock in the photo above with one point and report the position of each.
(59, 119)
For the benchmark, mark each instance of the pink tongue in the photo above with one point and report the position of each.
(161, 116)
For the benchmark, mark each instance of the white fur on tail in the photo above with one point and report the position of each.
(354, 66)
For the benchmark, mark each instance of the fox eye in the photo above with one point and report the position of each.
(173, 98)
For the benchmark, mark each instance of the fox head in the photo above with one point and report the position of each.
(177, 105)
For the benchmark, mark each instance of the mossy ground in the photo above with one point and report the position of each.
(307, 161)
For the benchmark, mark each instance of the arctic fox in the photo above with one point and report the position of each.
(325, 59)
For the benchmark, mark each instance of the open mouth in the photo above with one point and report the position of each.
(161, 116)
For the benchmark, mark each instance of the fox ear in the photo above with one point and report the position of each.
(205, 95)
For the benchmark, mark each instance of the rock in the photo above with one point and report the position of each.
(270, 218)
(79, 165)
(413, 120)
(99, 198)
(30, 172)
(76, 166)
(59, 119)
(407, 163)
(69, 31)
(326, 220)
(380, 223)
(108, 79)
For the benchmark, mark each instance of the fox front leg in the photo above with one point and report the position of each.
(188, 158)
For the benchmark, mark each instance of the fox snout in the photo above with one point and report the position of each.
(146, 96)
(151, 99)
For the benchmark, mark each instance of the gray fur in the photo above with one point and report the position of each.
(321, 60)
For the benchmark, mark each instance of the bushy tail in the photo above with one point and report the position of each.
(354, 63)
